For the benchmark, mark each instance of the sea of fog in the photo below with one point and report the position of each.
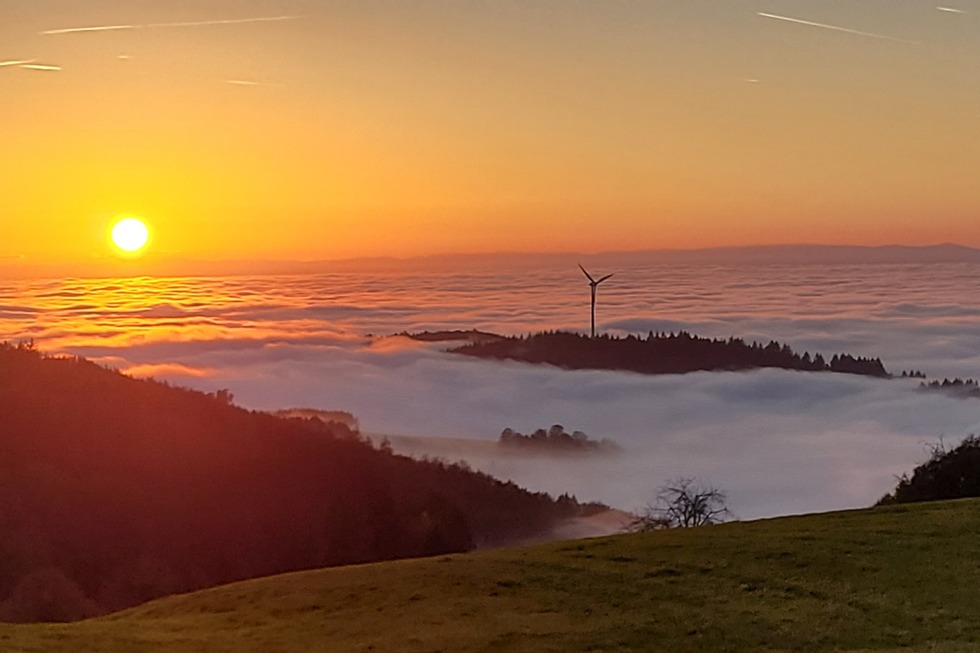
(777, 441)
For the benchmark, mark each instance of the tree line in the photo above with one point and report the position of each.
(958, 387)
(554, 439)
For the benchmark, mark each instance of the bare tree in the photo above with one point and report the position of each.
(683, 503)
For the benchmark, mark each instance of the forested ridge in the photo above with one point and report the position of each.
(115, 490)
(662, 353)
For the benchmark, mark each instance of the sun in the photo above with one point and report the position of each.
(130, 235)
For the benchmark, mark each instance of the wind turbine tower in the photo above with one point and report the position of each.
(593, 284)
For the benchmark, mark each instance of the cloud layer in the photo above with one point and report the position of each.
(779, 442)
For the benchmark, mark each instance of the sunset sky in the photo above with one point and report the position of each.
(314, 129)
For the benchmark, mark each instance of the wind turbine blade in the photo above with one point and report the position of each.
(588, 276)
(604, 278)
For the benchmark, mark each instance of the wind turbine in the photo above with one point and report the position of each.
(593, 284)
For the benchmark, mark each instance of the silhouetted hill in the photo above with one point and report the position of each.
(661, 354)
(115, 490)
(470, 335)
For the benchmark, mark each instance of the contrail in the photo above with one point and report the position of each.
(30, 64)
(232, 21)
(101, 28)
(835, 28)
(39, 66)
(197, 23)
(953, 10)
(247, 82)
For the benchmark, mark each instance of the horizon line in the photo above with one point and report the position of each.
(175, 265)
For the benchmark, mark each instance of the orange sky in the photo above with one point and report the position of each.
(403, 128)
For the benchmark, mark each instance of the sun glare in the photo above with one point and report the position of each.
(130, 235)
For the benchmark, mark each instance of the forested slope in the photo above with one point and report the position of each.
(115, 490)
(660, 353)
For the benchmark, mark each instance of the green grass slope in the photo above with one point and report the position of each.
(889, 579)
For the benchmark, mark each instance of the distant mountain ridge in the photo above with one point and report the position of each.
(792, 254)
(826, 254)
(744, 255)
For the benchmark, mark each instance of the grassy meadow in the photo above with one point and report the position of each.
(887, 579)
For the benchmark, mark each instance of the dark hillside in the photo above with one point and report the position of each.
(115, 490)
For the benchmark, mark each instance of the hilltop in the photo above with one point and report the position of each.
(884, 579)
(115, 490)
(657, 353)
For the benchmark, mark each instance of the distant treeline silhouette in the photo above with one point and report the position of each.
(957, 387)
(555, 439)
(662, 353)
(115, 490)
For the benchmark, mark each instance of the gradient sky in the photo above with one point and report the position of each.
(363, 127)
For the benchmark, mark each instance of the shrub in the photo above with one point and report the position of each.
(948, 474)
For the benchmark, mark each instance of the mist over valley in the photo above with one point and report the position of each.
(778, 441)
